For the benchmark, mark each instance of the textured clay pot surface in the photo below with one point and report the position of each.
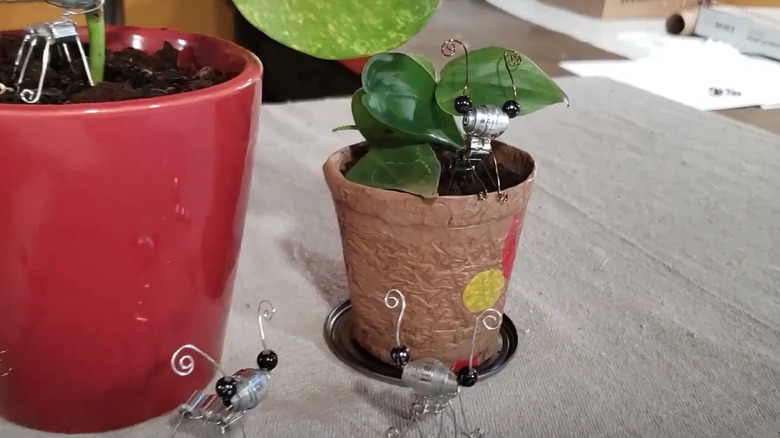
(121, 224)
(452, 257)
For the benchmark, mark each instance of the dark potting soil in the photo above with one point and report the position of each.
(129, 74)
(454, 183)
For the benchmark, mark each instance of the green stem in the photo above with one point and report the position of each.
(96, 28)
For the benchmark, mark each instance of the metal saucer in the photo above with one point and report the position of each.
(338, 336)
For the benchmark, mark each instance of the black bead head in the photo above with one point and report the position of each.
(511, 108)
(463, 104)
(226, 388)
(467, 377)
(267, 360)
(400, 355)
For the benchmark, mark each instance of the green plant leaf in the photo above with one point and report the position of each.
(490, 83)
(345, 128)
(399, 93)
(374, 131)
(338, 29)
(426, 63)
(411, 168)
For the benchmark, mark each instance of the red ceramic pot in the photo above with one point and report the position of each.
(120, 228)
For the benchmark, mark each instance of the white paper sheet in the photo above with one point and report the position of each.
(605, 34)
(686, 72)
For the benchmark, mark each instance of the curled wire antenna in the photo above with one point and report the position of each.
(448, 49)
(186, 364)
(512, 60)
(491, 320)
(265, 311)
(393, 299)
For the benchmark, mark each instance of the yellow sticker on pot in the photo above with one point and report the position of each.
(483, 290)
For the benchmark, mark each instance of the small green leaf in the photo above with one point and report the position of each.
(377, 133)
(400, 94)
(340, 29)
(489, 82)
(374, 131)
(412, 169)
(426, 63)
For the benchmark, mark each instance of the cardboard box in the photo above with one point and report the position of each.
(628, 9)
(622, 8)
(768, 3)
(754, 31)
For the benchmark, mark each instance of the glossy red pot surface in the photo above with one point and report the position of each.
(120, 229)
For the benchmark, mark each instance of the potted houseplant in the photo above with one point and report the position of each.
(422, 207)
(422, 210)
(124, 188)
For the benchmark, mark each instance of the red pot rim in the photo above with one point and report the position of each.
(252, 72)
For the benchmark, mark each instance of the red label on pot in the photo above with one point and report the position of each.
(464, 363)
(510, 245)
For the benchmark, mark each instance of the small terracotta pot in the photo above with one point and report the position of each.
(451, 256)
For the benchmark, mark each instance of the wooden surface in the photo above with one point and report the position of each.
(765, 119)
(210, 17)
(18, 15)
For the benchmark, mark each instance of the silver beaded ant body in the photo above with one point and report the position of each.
(234, 395)
(482, 124)
(434, 385)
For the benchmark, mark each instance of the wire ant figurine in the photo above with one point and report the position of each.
(482, 124)
(434, 385)
(51, 34)
(234, 395)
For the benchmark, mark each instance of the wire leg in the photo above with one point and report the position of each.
(488, 172)
(441, 427)
(457, 430)
(176, 427)
(455, 423)
(30, 96)
(22, 51)
(468, 431)
(419, 427)
(84, 62)
(483, 193)
(243, 431)
(452, 178)
(394, 432)
(463, 415)
(68, 58)
(31, 43)
(502, 197)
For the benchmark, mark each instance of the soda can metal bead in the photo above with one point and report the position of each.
(485, 121)
(429, 377)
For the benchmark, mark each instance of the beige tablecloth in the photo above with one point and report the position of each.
(648, 278)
